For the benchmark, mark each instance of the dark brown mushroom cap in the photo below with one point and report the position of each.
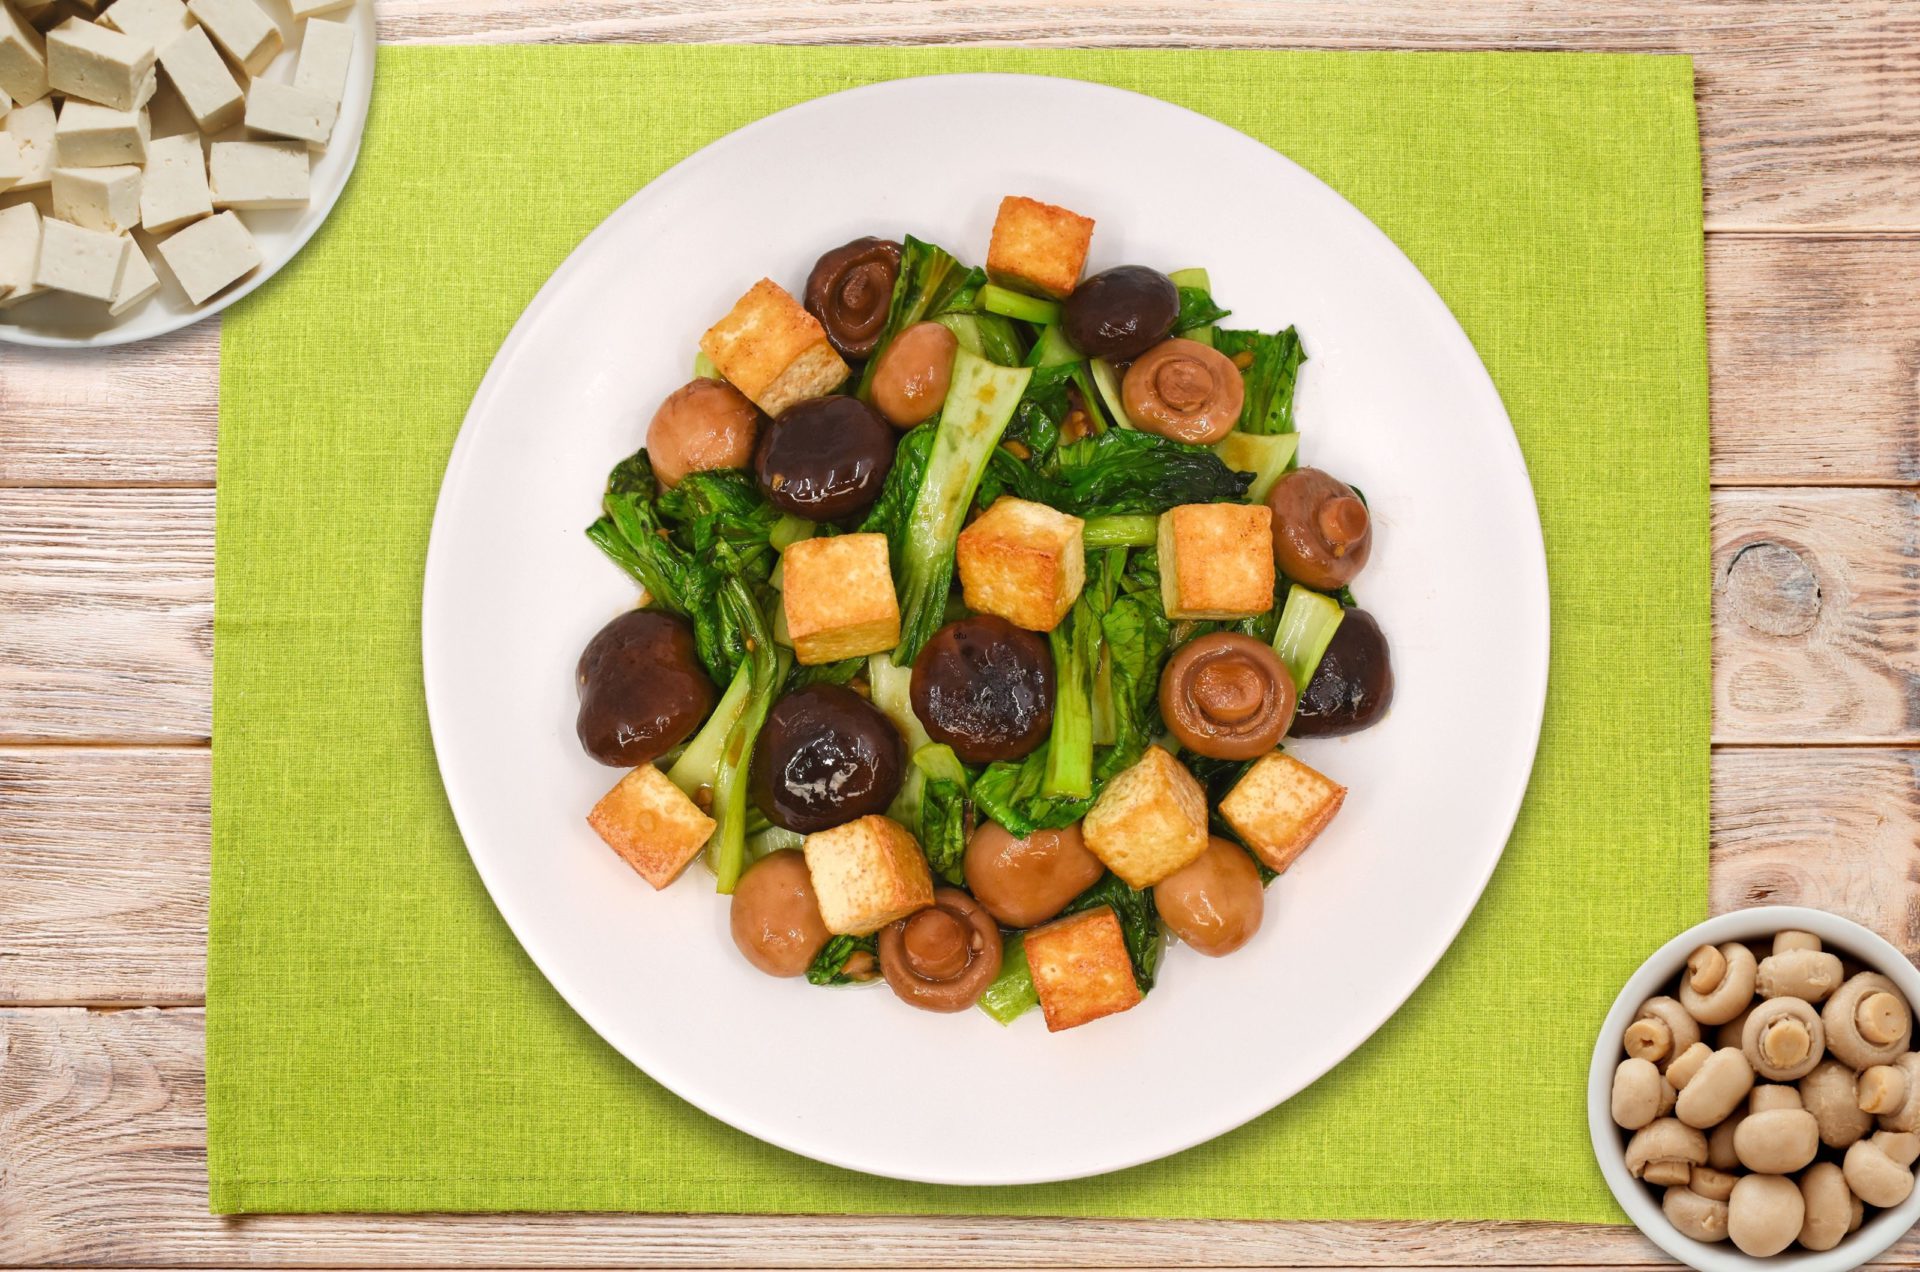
(1184, 390)
(985, 688)
(1120, 313)
(1353, 685)
(825, 756)
(1227, 696)
(642, 689)
(1322, 534)
(942, 958)
(850, 291)
(825, 459)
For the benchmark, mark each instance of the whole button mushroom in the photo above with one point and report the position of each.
(1660, 1030)
(1322, 533)
(985, 688)
(1829, 1205)
(1892, 1092)
(1778, 1137)
(1714, 1184)
(1637, 1093)
(1867, 1021)
(1793, 939)
(1798, 973)
(1874, 1174)
(1765, 1214)
(1783, 1039)
(1730, 995)
(1120, 313)
(1025, 882)
(943, 957)
(1720, 1154)
(1184, 390)
(775, 917)
(851, 290)
(1730, 1034)
(642, 689)
(1701, 1218)
(1353, 685)
(1719, 1087)
(703, 425)
(824, 459)
(913, 373)
(1215, 902)
(1227, 696)
(1828, 1093)
(1706, 968)
(1665, 1152)
(1681, 1068)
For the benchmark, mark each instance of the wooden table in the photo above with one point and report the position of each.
(1810, 122)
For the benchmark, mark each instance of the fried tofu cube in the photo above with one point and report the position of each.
(838, 596)
(652, 824)
(1023, 561)
(866, 874)
(1279, 806)
(1149, 821)
(774, 351)
(1081, 970)
(1216, 560)
(1037, 247)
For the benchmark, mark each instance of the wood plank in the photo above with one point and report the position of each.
(1817, 607)
(108, 604)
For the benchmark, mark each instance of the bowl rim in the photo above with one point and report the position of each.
(1661, 967)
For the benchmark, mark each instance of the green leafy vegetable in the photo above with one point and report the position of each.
(1136, 636)
(1012, 304)
(1266, 455)
(1012, 994)
(829, 966)
(1133, 531)
(1275, 365)
(933, 804)
(1009, 792)
(1119, 472)
(929, 278)
(890, 511)
(1307, 625)
(1197, 309)
(727, 848)
(699, 763)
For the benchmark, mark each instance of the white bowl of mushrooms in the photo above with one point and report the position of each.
(1755, 1093)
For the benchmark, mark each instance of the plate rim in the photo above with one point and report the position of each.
(1481, 383)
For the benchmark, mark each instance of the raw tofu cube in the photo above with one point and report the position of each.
(285, 111)
(110, 68)
(1149, 821)
(866, 874)
(308, 8)
(19, 252)
(652, 824)
(1024, 561)
(258, 174)
(326, 55)
(23, 59)
(1279, 806)
(1216, 560)
(90, 136)
(138, 282)
(98, 198)
(210, 254)
(1037, 247)
(838, 597)
(1081, 971)
(13, 164)
(158, 22)
(203, 81)
(773, 350)
(242, 28)
(85, 262)
(175, 192)
(31, 127)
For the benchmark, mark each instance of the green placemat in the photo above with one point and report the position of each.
(376, 1038)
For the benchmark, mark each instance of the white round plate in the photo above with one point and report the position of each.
(1393, 399)
(55, 320)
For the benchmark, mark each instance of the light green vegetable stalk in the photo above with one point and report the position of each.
(767, 668)
(1307, 624)
(1130, 531)
(1076, 657)
(891, 690)
(981, 399)
(1106, 378)
(703, 368)
(1012, 304)
(1266, 455)
(1012, 994)
(699, 763)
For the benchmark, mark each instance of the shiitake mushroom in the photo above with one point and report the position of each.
(824, 459)
(1353, 685)
(985, 688)
(850, 291)
(1322, 534)
(1120, 313)
(642, 689)
(825, 756)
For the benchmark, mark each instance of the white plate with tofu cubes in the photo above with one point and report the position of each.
(1394, 398)
(160, 159)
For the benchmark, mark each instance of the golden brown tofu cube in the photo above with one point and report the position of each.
(774, 351)
(838, 597)
(1216, 560)
(1149, 821)
(650, 822)
(1279, 806)
(1081, 971)
(1024, 561)
(866, 874)
(1037, 247)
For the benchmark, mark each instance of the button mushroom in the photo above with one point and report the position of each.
(1661, 1030)
(1353, 685)
(1706, 968)
(1886, 1091)
(1827, 1092)
(943, 957)
(704, 424)
(1701, 1218)
(1322, 534)
(1874, 1174)
(1778, 1137)
(1720, 1153)
(1665, 1152)
(1716, 1090)
(1637, 1093)
(1798, 973)
(642, 689)
(1681, 1068)
(1793, 939)
(775, 917)
(825, 756)
(1765, 1214)
(1730, 1034)
(1227, 696)
(824, 459)
(1829, 1206)
(1215, 902)
(1711, 1183)
(985, 688)
(1867, 1021)
(1783, 1039)
(1730, 994)
(1120, 313)
(850, 291)
(913, 373)
(1025, 882)
(1184, 390)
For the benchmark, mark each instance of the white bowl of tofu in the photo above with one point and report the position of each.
(160, 159)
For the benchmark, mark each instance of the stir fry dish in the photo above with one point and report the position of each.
(977, 604)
